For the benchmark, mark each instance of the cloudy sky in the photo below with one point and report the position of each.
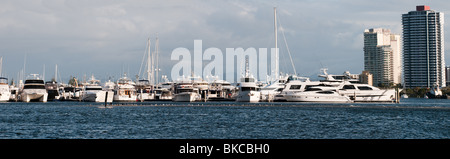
(108, 37)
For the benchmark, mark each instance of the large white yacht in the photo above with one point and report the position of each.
(201, 85)
(163, 91)
(93, 92)
(366, 93)
(125, 90)
(5, 93)
(317, 95)
(359, 92)
(109, 85)
(34, 90)
(270, 91)
(186, 92)
(144, 90)
(355, 91)
(248, 89)
(221, 90)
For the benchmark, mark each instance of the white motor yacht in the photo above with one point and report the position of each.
(125, 90)
(317, 95)
(164, 91)
(186, 92)
(34, 90)
(221, 90)
(248, 89)
(359, 92)
(93, 92)
(270, 91)
(366, 93)
(5, 92)
(144, 90)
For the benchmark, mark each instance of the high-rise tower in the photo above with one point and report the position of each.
(423, 48)
(382, 56)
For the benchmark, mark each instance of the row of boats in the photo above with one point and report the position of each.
(289, 88)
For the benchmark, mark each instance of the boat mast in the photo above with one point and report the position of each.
(152, 68)
(56, 72)
(148, 61)
(43, 76)
(246, 68)
(276, 43)
(1, 63)
(157, 59)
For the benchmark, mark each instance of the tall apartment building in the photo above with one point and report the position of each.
(382, 56)
(423, 48)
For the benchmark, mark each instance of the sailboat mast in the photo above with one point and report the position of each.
(247, 74)
(148, 61)
(56, 72)
(1, 63)
(43, 76)
(156, 59)
(276, 43)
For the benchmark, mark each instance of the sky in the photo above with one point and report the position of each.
(108, 37)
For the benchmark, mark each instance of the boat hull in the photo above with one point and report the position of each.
(248, 96)
(371, 96)
(4, 96)
(34, 95)
(300, 97)
(186, 97)
(100, 96)
(125, 98)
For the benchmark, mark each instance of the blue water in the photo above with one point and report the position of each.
(411, 119)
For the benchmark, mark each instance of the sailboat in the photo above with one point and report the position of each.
(145, 87)
(271, 91)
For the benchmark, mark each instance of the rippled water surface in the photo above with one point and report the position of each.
(411, 119)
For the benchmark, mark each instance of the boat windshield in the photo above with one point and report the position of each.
(247, 79)
(34, 81)
(93, 88)
(249, 89)
(34, 87)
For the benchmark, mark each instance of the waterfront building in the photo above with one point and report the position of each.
(423, 48)
(382, 56)
(366, 78)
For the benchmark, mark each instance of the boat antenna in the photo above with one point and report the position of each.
(246, 67)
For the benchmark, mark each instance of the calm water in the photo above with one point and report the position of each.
(411, 119)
